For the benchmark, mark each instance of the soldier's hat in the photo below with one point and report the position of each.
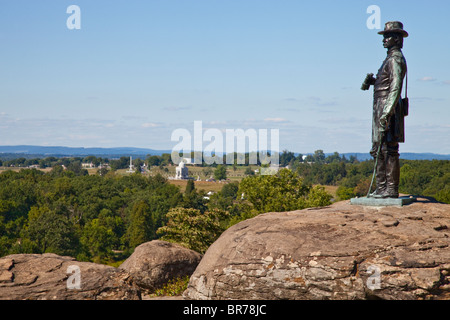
(395, 27)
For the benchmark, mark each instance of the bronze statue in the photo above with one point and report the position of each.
(389, 110)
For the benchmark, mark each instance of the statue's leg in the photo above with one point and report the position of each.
(392, 170)
(380, 170)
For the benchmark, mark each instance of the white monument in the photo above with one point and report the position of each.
(131, 166)
(181, 172)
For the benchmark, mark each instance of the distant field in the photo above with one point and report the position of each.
(203, 173)
(17, 169)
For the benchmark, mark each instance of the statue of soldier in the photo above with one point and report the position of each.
(389, 110)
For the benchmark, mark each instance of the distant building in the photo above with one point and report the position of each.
(104, 166)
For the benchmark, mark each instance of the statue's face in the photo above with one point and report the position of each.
(389, 40)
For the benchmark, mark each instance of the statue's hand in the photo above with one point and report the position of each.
(369, 80)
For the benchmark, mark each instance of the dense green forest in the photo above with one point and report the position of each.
(86, 216)
(103, 216)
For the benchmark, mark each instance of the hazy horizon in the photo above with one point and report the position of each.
(138, 70)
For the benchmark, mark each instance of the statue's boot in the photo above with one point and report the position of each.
(380, 178)
(392, 176)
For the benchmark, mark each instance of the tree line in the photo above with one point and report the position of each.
(286, 158)
(417, 177)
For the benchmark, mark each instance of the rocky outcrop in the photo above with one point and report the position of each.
(154, 263)
(337, 252)
(53, 277)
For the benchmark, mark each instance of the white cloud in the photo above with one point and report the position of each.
(350, 134)
(275, 120)
(177, 108)
(427, 79)
(150, 125)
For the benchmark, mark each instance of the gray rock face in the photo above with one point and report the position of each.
(154, 263)
(53, 277)
(338, 252)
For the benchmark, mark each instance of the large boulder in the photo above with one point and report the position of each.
(337, 252)
(154, 263)
(53, 277)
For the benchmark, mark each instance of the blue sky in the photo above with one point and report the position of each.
(138, 70)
